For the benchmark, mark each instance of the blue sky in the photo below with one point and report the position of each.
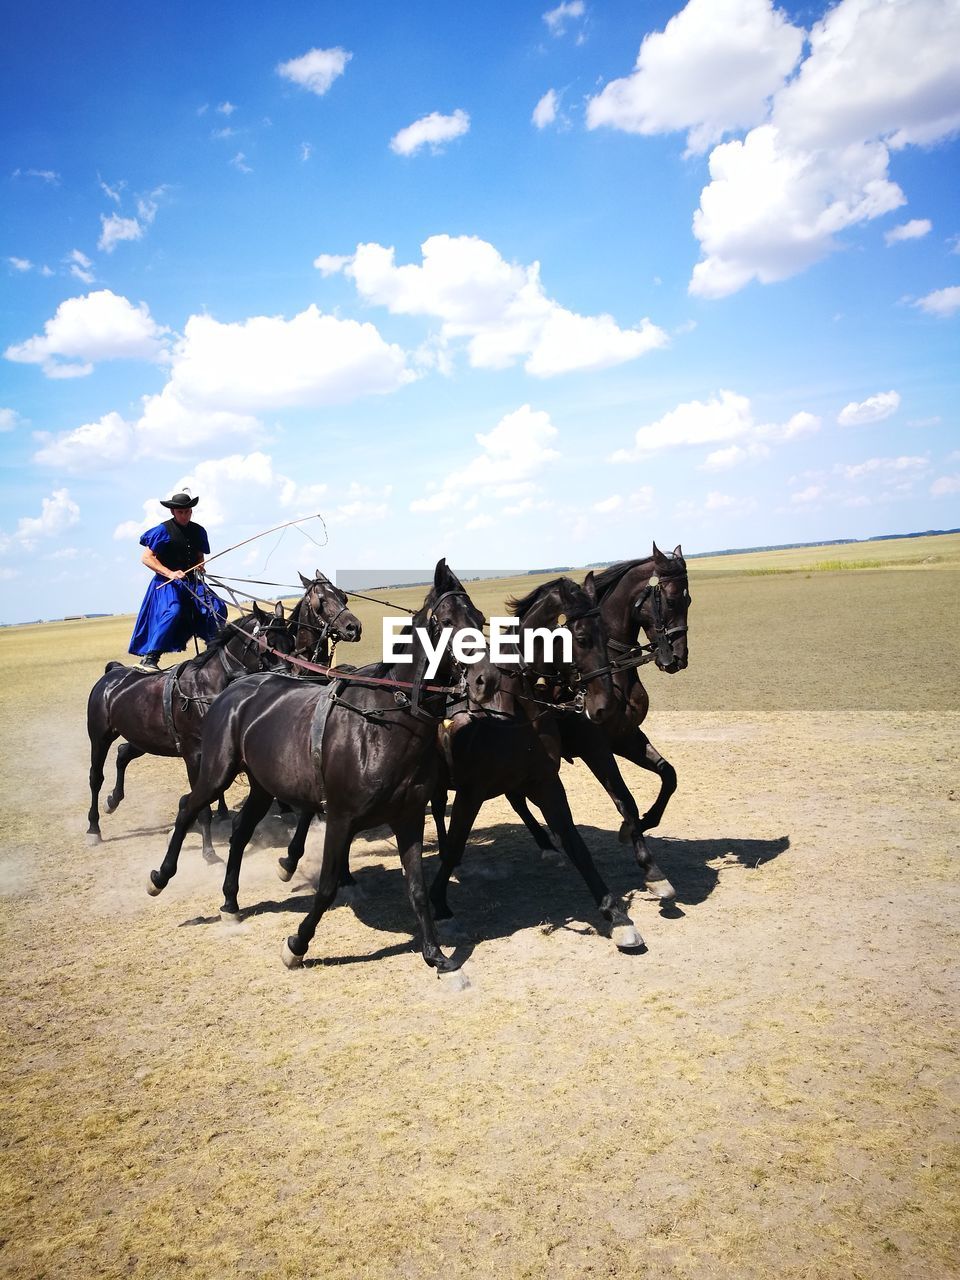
(516, 284)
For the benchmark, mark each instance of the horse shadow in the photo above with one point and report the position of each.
(504, 885)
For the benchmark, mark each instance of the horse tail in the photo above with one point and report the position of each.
(111, 666)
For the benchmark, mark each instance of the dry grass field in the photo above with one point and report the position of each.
(769, 1090)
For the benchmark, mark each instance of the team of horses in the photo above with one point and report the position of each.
(363, 747)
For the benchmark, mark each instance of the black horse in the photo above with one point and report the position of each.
(651, 595)
(161, 713)
(362, 747)
(316, 620)
(514, 746)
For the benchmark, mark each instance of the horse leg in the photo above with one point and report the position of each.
(645, 754)
(550, 797)
(336, 850)
(410, 843)
(288, 865)
(438, 811)
(465, 809)
(125, 753)
(599, 759)
(518, 802)
(252, 810)
(218, 769)
(101, 739)
(205, 817)
(223, 810)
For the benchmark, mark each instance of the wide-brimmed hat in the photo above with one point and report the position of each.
(179, 500)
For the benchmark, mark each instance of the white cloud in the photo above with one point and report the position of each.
(877, 69)
(887, 466)
(942, 302)
(880, 74)
(49, 176)
(306, 151)
(98, 326)
(810, 494)
(944, 485)
(915, 229)
(513, 453)
(727, 417)
(9, 418)
(545, 112)
(106, 442)
(57, 513)
(222, 375)
(316, 70)
(114, 229)
(80, 266)
(606, 505)
(567, 11)
(20, 264)
(328, 264)
(873, 409)
(239, 162)
(112, 193)
(711, 70)
(499, 308)
(226, 108)
(771, 209)
(434, 131)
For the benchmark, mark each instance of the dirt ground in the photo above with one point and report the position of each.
(769, 1090)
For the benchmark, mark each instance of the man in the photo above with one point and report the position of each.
(178, 603)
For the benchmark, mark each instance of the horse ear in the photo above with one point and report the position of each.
(590, 587)
(677, 552)
(306, 581)
(657, 553)
(258, 613)
(440, 573)
(278, 610)
(319, 577)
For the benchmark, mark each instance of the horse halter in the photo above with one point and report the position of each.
(663, 635)
(326, 626)
(416, 708)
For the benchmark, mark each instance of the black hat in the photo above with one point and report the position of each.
(179, 500)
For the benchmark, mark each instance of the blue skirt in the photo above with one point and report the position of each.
(168, 618)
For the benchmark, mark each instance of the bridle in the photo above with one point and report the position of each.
(629, 656)
(323, 628)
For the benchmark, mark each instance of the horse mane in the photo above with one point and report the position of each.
(608, 578)
(520, 604)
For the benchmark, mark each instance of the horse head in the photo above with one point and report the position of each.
(562, 603)
(662, 612)
(323, 614)
(448, 604)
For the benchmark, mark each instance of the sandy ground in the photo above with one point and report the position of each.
(770, 1090)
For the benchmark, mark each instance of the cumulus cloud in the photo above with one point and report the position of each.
(945, 485)
(915, 229)
(879, 75)
(873, 409)
(512, 455)
(9, 418)
(884, 466)
(315, 70)
(942, 302)
(711, 70)
(57, 513)
(808, 495)
(545, 112)
(98, 326)
(433, 131)
(771, 210)
(223, 375)
(499, 309)
(20, 264)
(727, 417)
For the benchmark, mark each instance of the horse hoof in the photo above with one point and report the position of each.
(627, 938)
(662, 890)
(152, 887)
(455, 981)
(230, 917)
(285, 873)
(94, 838)
(110, 804)
(290, 958)
(211, 857)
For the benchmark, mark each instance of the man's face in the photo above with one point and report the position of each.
(182, 515)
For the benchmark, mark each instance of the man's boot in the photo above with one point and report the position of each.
(150, 662)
